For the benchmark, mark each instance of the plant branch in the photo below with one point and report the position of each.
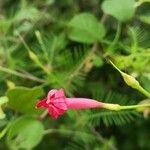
(25, 76)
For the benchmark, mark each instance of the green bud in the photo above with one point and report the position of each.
(130, 80)
(35, 59)
(33, 56)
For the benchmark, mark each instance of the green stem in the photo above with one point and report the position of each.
(40, 40)
(142, 90)
(30, 77)
(117, 107)
(134, 106)
(116, 37)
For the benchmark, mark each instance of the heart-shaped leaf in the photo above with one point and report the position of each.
(24, 133)
(85, 28)
(122, 10)
(23, 99)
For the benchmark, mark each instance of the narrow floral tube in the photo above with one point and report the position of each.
(57, 104)
(80, 103)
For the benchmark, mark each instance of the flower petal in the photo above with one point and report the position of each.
(53, 112)
(60, 94)
(60, 111)
(60, 103)
(42, 103)
(51, 96)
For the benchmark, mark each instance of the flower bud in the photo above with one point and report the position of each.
(130, 80)
(35, 59)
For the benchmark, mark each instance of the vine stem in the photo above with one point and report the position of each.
(142, 90)
(117, 107)
(118, 32)
(134, 106)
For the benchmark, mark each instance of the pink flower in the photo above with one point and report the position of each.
(57, 104)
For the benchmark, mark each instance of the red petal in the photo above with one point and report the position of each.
(42, 103)
(51, 94)
(53, 112)
(60, 103)
(60, 111)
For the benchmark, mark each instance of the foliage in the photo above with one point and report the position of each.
(22, 135)
(121, 12)
(18, 99)
(66, 44)
(85, 28)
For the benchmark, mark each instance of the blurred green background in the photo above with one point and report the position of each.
(66, 44)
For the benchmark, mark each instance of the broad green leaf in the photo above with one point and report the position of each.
(23, 99)
(122, 10)
(24, 133)
(3, 100)
(85, 28)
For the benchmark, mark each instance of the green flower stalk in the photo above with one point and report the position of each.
(117, 107)
(132, 82)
